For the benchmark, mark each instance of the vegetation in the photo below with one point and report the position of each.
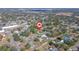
(50, 42)
(4, 48)
(27, 46)
(16, 37)
(25, 33)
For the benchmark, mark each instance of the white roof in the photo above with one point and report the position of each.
(43, 36)
(62, 41)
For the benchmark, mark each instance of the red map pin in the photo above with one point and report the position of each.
(39, 25)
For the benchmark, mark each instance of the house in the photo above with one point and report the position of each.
(44, 36)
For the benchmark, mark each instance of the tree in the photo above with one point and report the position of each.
(4, 48)
(25, 33)
(16, 37)
(36, 39)
(13, 48)
(33, 30)
(64, 46)
(27, 46)
(50, 42)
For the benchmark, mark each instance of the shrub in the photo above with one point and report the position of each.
(16, 37)
(50, 42)
(27, 46)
